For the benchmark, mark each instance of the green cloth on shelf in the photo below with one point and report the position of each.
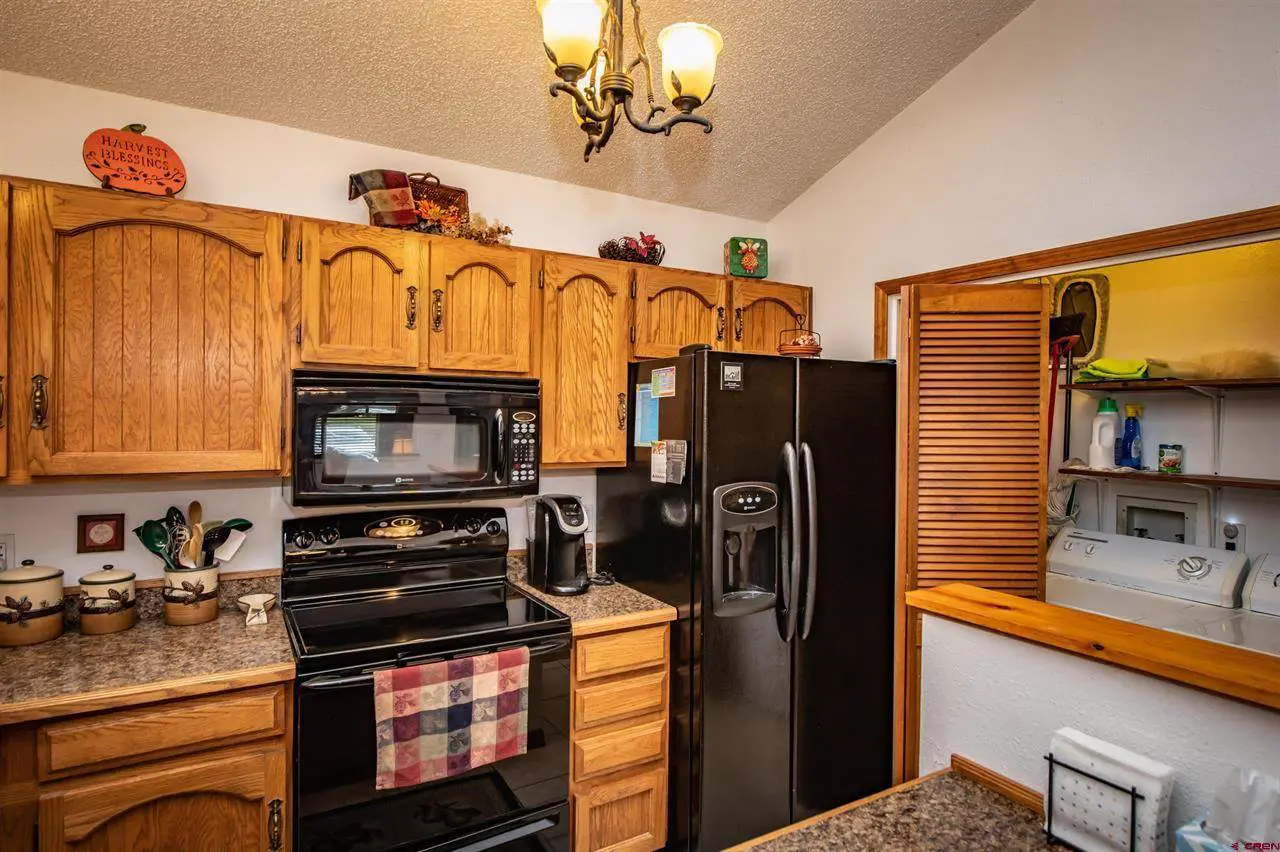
(1112, 370)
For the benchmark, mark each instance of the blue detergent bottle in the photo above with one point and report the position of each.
(1131, 442)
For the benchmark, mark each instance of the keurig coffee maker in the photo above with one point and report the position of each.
(557, 544)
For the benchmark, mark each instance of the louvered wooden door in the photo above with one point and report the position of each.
(974, 387)
(147, 334)
(361, 295)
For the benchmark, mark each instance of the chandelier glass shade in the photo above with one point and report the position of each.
(584, 41)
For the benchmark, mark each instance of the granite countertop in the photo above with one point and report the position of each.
(151, 653)
(944, 812)
(601, 607)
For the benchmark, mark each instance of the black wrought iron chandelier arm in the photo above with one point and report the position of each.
(586, 109)
(648, 125)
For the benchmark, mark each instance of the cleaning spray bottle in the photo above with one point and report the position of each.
(1106, 426)
(1131, 443)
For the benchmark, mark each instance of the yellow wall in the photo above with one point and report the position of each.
(1192, 304)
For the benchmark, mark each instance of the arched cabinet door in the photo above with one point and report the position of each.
(763, 310)
(147, 335)
(584, 361)
(675, 308)
(361, 297)
(478, 308)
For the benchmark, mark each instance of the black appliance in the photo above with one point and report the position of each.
(365, 438)
(375, 590)
(557, 544)
(771, 530)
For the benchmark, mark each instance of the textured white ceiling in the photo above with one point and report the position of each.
(801, 83)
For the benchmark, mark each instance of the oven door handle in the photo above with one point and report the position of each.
(341, 681)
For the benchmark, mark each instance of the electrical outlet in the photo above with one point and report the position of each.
(1233, 537)
(8, 551)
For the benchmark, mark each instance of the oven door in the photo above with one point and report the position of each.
(522, 800)
(383, 445)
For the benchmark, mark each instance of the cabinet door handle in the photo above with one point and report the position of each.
(622, 412)
(39, 402)
(720, 322)
(737, 324)
(437, 310)
(275, 826)
(411, 310)
(1, 402)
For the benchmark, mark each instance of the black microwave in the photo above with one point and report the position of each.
(361, 438)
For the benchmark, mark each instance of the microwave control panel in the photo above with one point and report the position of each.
(524, 447)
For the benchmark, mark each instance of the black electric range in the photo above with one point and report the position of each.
(376, 590)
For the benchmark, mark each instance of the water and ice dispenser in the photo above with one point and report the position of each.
(745, 545)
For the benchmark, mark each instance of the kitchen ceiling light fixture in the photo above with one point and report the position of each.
(584, 41)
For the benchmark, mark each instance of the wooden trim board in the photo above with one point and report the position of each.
(1170, 236)
(1154, 239)
(1226, 670)
(145, 693)
(993, 780)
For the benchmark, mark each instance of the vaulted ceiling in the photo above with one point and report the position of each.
(801, 83)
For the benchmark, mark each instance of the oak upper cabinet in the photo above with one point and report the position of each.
(361, 295)
(762, 310)
(479, 308)
(147, 335)
(674, 308)
(584, 361)
(4, 327)
(206, 803)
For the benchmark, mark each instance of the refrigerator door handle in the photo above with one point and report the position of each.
(811, 509)
(791, 578)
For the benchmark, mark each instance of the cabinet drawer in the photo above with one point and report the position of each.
(603, 753)
(598, 704)
(599, 656)
(130, 736)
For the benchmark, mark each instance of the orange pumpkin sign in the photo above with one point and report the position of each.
(126, 159)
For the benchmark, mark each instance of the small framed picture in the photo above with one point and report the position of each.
(99, 533)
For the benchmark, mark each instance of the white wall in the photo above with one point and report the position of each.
(42, 517)
(258, 165)
(997, 700)
(1080, 119)
(264, 166)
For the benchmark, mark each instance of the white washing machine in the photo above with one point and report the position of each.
(1193, 590)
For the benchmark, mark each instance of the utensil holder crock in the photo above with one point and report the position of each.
(191, 596)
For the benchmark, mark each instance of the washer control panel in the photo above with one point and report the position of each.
(523, 445)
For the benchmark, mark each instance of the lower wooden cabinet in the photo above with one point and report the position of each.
(208, 803)
(618, 785)
(628, 814)
(193, 774)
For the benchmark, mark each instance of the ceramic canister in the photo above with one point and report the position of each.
(191, 596)
(107, 601)
(30, 604)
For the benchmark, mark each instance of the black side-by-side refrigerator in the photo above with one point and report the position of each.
(758, 500)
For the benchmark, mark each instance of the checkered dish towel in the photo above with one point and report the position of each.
(443, 719)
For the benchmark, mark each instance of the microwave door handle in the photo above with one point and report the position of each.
(500, 454)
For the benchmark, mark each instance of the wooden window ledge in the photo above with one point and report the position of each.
(1237, 673)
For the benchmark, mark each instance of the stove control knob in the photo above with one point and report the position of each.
(303, 539)
(472, 525)
(493, 528)
(329, 535)
(1193, 567)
